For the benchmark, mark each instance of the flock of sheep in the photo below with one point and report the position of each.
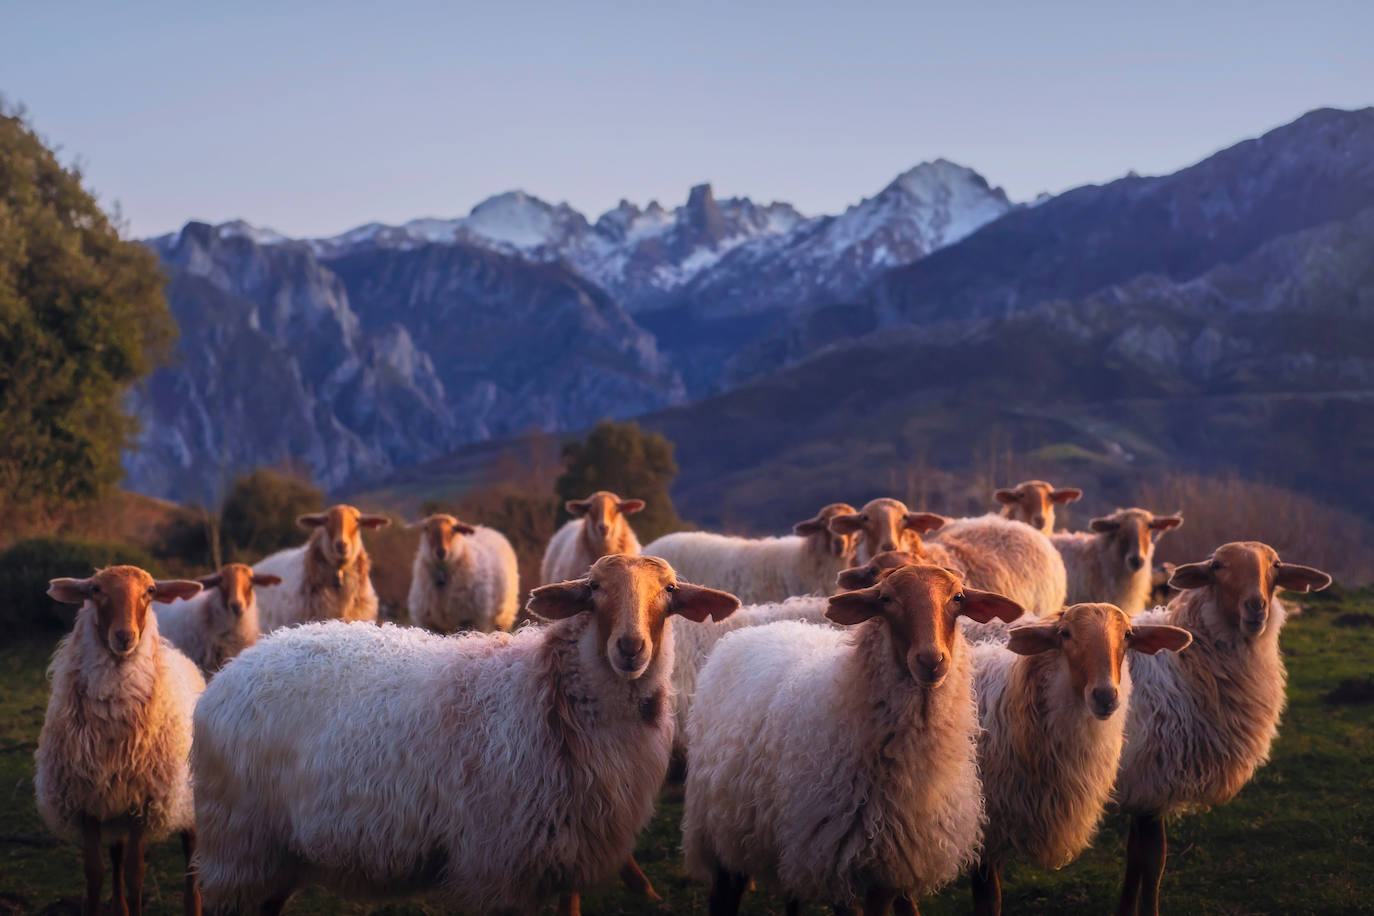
(903, 698)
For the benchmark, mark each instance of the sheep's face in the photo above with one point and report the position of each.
(341, 540)
(870, 573)
(441, 537)
(1243, 577)
(1132, 534)
(821, 539)
(234, 584)
(1033, 502)
(885, 524)
(631, 598)
(120, 596)
(600, 513)
(1092, 640)
(920, 605)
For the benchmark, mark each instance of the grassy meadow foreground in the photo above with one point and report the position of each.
(1297, 840)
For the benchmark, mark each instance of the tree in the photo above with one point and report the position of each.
(624, 459)
(82, 317)
(260, 512)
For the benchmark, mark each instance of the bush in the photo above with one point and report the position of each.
(27, 566)
(629, 462)
(259, 514)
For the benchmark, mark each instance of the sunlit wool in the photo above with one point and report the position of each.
(317, 584)
(1095, 561)
(576, 546)
(476, 586)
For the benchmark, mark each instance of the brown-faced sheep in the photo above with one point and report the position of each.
(1113, 561)
(1033, 502)
(214, 626)
(598, 529)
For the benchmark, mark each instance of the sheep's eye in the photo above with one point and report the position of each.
(152, 589)
(1064, 634)
(1215, 564)
(959, 597)
(95, 589)
(1278, 563)
(593, 586)
(886, 599)
(863, 518)
(670, 588)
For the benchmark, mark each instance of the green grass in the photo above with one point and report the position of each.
(1297, 840)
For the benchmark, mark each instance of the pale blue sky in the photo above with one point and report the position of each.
(318, 117)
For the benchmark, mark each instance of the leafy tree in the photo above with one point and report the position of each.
(260, 512)
(624, 459)
(82, 317)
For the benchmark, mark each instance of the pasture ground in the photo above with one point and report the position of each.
(1297, 840)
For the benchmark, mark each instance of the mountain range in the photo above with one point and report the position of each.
(1216, 317)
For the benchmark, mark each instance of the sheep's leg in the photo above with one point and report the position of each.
(727, 890)
(134, 867)
(1154, 850)
(570, 905)
(274, 906)
(878, 901)
(987, 888)
(190, 896)
(95, 864)
(117, 877)
(637, 881)
(1130, 887)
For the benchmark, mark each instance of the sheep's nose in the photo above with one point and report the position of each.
(340, 547)
(1136, 561)
(124, 640)
(1254, 605)
(1039, 521)
(1105, 700)
(932, 661)
(889, 546)
(236, 607)
(630, 646)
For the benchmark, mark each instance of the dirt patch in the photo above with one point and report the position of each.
(1351, 691)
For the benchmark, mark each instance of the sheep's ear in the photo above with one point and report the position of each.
(419, 523)
(924, 522)
(464, 528)
(314, 520)
(210, 581)
(810, 526)
(848, 523)
(561, 599)
(373, 521)
(577, 507)
(1033, 640)
(1296, 578)
(631, 506)
(1154, 639)
(171, 589)
(1166, 522)
(696, 603)
(1066, 495)
(69, 591)
(856, 577)
(849, 608)
(262, 579)
(1005, 496)
(983, 606)
(1191, 575)
(1103, 525)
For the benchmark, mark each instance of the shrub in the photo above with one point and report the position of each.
(259, 514)
(27, 566)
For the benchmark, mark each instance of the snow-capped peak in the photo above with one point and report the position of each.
(260, 235)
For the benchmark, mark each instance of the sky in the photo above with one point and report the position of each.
(312, 118)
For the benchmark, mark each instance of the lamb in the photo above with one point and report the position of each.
(326, 577)
(1202, 722)
(841, 765)
(1033, 502)
(464, 578)
(112, 756)
(599, 529)
(516, 765)
(1052, 706)
(991, 553)
(1112, 562)
(759, 570)
(218, 623)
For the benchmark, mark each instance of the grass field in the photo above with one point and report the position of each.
(1297, 840)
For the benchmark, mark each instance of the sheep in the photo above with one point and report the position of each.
(1112, 562)
(841, 765)
(599, 529)
(991, 553)
(760, 570)
(464, 578)
(326, 577)
(502, 767)
(1201, 722)
(1033, 502)
(218, 623)
(1052, 706)
(112, 758)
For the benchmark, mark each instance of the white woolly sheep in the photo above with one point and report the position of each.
(1052, 705)
(841, 765)
(1201, 722)
(464, 578)
(516, 765)
(326, 578)
(1113, 561)
(214, 626)
(112, 759)
(1033, 502)
(599, 529)
(991, 553)
(759, 570)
